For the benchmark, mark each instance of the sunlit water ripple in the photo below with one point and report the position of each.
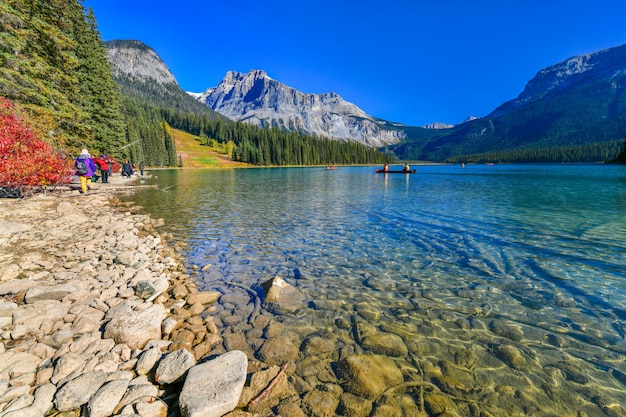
(461, 263)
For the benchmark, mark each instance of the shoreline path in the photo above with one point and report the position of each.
(99, 318)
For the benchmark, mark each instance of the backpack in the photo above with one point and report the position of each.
(81, 167)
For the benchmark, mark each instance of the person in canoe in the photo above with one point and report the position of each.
(386, 168)
(406, 168)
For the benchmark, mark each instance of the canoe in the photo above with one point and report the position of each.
(391, 171)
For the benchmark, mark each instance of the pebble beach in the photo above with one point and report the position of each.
(99, 318)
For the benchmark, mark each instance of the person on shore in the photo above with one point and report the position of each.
(127, 169)
(85, 169)
(142, 167)
(103, 164)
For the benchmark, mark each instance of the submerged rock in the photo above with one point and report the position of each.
(387, 344)
(281, 297)
(368, 376)
(512, 356)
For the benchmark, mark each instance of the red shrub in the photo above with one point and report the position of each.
(27, 162)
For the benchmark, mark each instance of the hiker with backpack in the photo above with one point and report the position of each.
(103, 163)
(85, 169)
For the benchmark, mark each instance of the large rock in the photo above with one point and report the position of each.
(147, 360)
(213, 388)
(49, 292)
(79, 390)
(136, 329)
(387, 344)
(204, 297)
(368, 376)
(103, 403)
(173, 366)
(281, 297)
(277, 351)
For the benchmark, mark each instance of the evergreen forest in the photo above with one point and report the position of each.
(55, 69)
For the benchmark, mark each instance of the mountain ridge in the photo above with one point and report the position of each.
(260, 100)
(576, 102)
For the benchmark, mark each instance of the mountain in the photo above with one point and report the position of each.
(260, 100)
(574, 110)
(143, 75)
(575, 73)
(138, 62)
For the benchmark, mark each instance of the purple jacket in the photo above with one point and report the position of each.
(91, 166)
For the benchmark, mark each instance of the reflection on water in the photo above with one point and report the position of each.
(506, 284)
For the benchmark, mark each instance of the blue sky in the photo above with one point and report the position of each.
(413, 62)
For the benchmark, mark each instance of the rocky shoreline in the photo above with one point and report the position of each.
(99, 318)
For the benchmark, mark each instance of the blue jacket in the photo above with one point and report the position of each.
(91, 166)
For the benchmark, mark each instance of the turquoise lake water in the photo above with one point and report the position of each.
(515, 274)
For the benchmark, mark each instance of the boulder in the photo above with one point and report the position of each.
(368, 376)
(103, 403)
(277, 351)
(213, 388)
(137, 328)
(173, 366)
(78, 391)
(204, 297)
(147, 360)
(281, 297)
(387, 344)
(49, 292)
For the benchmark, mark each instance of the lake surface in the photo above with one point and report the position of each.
(506, 283)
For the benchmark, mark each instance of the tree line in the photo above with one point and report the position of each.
(274, 146)
(592, 152)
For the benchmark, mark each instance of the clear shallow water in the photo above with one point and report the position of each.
(465, 265)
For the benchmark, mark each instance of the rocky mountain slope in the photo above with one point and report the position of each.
(142, 75)
(138, 61)
(260, 100)
(579, 103)
(608, 65)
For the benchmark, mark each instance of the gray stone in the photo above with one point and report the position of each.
(14, 364)
(19, 403)
(66, 365)
(106, 399)
(78, 391)
(44, 395)
(147, 360)
(137, 328)
(173, 366)
(151, 409)
(7, 308)
(14, 392)
(145, 289)
(52, 292)
(213, 388)
(136, 392)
